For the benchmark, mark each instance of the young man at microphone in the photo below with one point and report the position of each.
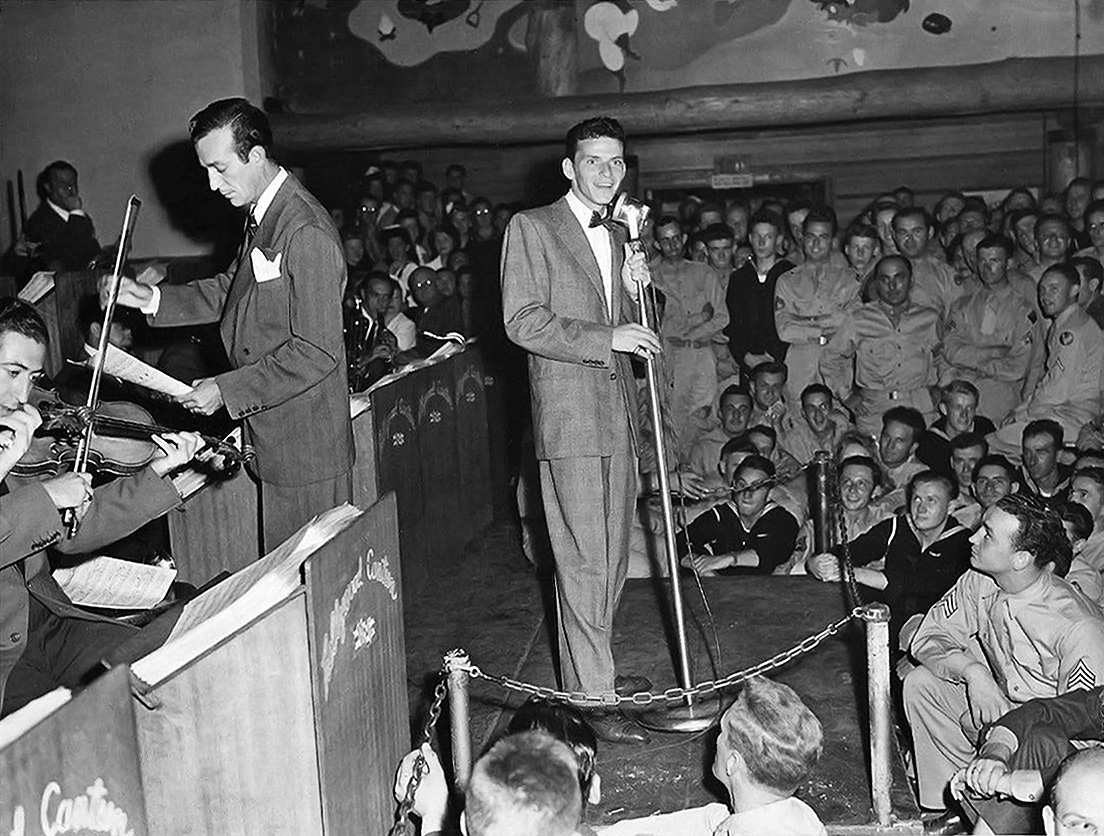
(568, 290)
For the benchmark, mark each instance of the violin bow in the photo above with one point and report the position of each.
(84, 447)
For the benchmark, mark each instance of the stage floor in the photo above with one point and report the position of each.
(492, 609)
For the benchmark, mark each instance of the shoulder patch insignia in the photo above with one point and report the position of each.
(1066, 337)
(950, 603)
(1081, 676)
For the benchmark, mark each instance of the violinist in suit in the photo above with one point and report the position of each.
(567, 291)
(279, 308)
(45, 640)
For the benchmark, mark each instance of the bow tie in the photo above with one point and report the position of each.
(601, 218)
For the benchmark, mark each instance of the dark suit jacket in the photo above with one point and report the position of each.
(29, 523)
(554, 306)
(284, 340)
(64, 245)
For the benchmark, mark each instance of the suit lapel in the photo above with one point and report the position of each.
(571, 234)
(243, 275)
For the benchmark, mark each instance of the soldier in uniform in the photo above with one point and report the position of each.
(884, 353)
(933, 279)
(694, 315)
(811, 301)
(1070, 389)
(991, 333)
(1038, 635)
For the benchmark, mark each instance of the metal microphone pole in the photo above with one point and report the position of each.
(690, 714)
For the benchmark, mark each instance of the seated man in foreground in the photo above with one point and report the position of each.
(1038, 635)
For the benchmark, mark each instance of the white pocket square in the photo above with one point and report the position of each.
(263, 269)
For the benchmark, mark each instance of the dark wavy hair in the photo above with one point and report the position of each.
(248, 125)
(1040, 532)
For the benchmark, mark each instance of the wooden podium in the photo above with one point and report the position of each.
(76, 771)
(295, 723)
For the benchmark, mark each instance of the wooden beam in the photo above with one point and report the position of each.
(1017, 84)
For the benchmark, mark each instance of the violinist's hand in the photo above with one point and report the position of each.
(131, 293)
(16, 431)
(177, 450)
(634, 272)
(205, 397)
(70, 490)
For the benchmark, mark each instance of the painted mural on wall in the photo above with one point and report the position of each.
(337, 54)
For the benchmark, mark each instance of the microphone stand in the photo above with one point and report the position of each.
(691, 714)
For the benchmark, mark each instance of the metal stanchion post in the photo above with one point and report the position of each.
(819, 509)
(459, 725)
(876, 617)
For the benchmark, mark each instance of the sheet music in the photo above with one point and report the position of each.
(233, 603)
(129, 368)
(36, 289)
(109, 583)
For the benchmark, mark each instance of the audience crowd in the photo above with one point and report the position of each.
(949, 359)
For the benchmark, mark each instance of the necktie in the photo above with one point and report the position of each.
(598, 219)
(250, 228)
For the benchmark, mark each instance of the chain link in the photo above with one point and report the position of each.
(645, 698)
(836, 515)
(402, 814)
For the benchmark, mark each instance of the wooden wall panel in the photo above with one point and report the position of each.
(931, 156)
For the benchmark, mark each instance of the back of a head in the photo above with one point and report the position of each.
(777, 735)
(567, 724)
(1075, 797)
(525, 784)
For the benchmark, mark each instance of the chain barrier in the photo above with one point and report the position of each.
(836, 514)
(402, 813)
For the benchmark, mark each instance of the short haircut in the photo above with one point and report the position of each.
(821, 214)
(1093, 269)
(855, 436)
(717, 232)
(42, 182)
(248, 125)
(904, 259)
(594, 128)
(1051, 218)
(864, 461)
(860, 230)
(931, 477)
(769, 367)
(668, 220)
(1085, 459)
(526, 783)
(764, 430)
(958, 386)
(816, 389)
(994, 241)
(912, 212)
(766, 216)
(19, 317)
(908, 416)
(1093, 208)
(389, 232)
(1040, 532)
(755, 462)
(996, 460)
(1091, 758)
(1044, 426)
(775, 733)
(733, 390)
(1066, 271)
(1078, 516)
(1093, 474)
(968, 440)
(951, 195)
(738, 444)
(567, 724)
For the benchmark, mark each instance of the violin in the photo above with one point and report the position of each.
(122, 442)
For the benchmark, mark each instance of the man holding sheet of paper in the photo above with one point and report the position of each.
(279, 306)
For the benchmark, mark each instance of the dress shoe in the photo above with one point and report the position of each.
(947, 824)
(627, 684)
(616, 728)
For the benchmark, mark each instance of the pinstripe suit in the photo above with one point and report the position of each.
(583, 399)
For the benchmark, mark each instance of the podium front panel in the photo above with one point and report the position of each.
(358, 667)
(77, 770)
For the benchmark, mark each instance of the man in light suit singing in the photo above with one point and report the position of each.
(567, 294)
(279, 306)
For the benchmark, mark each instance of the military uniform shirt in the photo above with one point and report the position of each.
(991, 333)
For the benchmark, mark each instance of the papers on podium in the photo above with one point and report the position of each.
(228, 606)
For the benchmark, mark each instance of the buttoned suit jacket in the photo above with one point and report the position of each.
(284, 338)
(29, 523)
(554, 307)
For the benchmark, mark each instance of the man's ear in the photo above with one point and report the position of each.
(568, 168)
(257, 154)
(942, 407)
(1049, 824)
(1022, 559)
